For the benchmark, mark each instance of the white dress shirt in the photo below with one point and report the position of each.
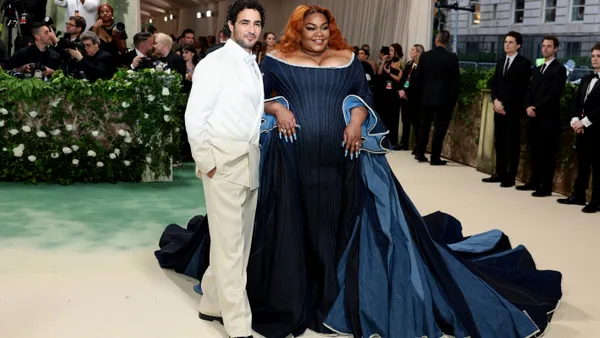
(226, 104)
(510, 62)
(546, 64)
(87, 10)
(586, 122)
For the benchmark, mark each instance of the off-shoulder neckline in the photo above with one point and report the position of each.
(315, 67)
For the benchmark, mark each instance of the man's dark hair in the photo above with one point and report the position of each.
(384, 50)
(365, 46)
(187, 31)
(596, 47)
(140, 38)
(79, 22)
(518, 37)
(226, 32)
(443, 37)
(239, 5)
(366, 51)
(36, 27)
(554, 40)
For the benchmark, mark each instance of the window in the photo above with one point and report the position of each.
(476, 16)
(520, 10)
(550, 12)
(573, 49)
(577, 10)
(495, 12)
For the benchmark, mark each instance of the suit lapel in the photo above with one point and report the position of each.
(584, 87)
(593, 89)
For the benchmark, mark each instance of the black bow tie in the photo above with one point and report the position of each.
(595, 76)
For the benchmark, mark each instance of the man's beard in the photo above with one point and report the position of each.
(242, 43)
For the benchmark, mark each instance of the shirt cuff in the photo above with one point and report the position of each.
(586, 122)
(573, 120)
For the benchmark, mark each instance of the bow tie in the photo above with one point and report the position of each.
(249, 59)
(595, 76)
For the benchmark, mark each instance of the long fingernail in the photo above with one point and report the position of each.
(280, 136)
(343, 143)
(286, 138)
(357, 154)
(295, 137)
(351, 156)
(346, 153)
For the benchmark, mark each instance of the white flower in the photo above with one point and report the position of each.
(18, 151)
(1, 123)
(112, 156)
(41, 134)
(168, 71)
(145, 116)
(167, 118)
(3, 111)
(128, 140)
(140, 141)
(151, 98)
(95, 133)
(177, 129)
(55, 103)
(54, 155)
(165, 108)
(26, 129)
(117, 151)
(75, 162)
(13, 132)
(4, 149)
(31, 158)
(55, 132)
(127, 163)
(148, 159)
(100, 164)
(165, 91)
(67, 150)
(75, 147)
(91, 153)
(33, 114)
(130, 72)
(152, 70)
(125, 104)
(69, 127)
(158, 68)
(122, 132)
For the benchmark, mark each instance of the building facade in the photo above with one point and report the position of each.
(576, 23)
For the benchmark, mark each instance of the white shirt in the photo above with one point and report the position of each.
(547, 64)
(137, 53)
(510, 62)
(226, 103)
(586, 122)
(87, 10)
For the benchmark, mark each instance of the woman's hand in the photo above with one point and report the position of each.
(286, 123)
(352, 139)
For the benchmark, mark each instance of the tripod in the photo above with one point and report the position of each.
(10, 15)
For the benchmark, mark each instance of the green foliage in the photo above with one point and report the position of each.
(68, 130)
(121, 8)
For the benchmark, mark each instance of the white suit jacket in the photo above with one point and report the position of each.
(224, 113)
(88, 10)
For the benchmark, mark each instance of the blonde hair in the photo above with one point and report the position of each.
(164, 38)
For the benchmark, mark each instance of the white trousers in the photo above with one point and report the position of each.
(230, 209)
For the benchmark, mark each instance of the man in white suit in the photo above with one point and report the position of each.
(222, 120)
(87, 9)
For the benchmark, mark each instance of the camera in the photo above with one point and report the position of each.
(119, 28)
(66, 43)
(145, 63)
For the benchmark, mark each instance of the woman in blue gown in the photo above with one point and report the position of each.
(338, 246)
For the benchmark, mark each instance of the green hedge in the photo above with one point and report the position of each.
(69, 130)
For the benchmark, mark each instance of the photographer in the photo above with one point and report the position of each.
(140, 57)
(75, 26)
(38, 56)
(97, 64)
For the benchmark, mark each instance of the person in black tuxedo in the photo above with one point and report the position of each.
(543, 111)
(437, 80)
(585, 119)
(410, 100)
(143, 42)
(509, 89)
(163, 51)
(97, 63)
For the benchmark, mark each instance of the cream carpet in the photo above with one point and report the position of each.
(60, 277)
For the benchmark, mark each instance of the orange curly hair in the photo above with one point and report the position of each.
(290, 41)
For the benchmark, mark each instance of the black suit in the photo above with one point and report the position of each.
(437, 80)
(511, 89)
(588, 143)
(411, 107)
(100, 66)
(127, 58)
(544, 129)
(176, 63)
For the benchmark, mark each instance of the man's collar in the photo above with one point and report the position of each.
(238, 50)
(138, 53)
(549, 61)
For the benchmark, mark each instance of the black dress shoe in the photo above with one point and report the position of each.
(507, 183)
(573, 200)
(492, 179)
(210, 318)
(591, 208)
(244, 337)
(438, 162)
(421, 158)
(529, 187)
(541, 193)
